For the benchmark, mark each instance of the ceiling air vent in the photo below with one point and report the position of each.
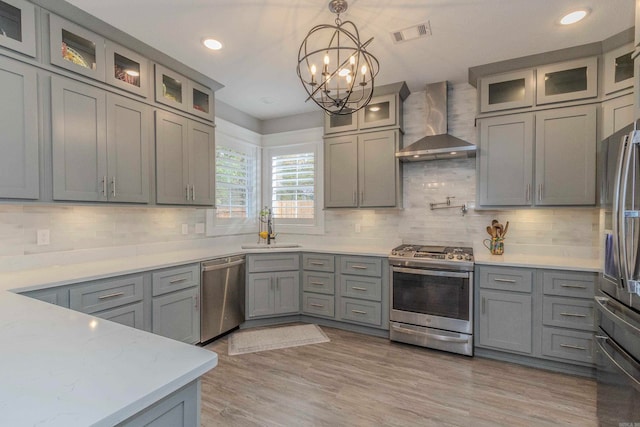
(412, 33)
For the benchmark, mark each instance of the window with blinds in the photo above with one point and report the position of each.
(234, 182)
(292, 185)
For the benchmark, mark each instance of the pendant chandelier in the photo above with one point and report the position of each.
(334, 66)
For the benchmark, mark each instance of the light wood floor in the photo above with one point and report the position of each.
(358, 380)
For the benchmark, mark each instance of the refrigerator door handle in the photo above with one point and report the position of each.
(620, 210)
(617, 237)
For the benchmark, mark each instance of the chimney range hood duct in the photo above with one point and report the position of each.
(439, 144)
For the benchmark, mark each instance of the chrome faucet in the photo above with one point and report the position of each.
(270, 233)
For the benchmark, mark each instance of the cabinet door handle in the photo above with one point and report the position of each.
(316, 263)
(113, 189)
(504, 280)
(355, 202)
(361, 197)
(317, 283)
(358, 288)
(575, 347)
(539, 192)
(197, 303)
(358, 312)
(484, 304)
(573, 315)
(317, 305)
(528, 192)
(359, 267)
(104, 186)
(174, 281)
(193, 192)
(117, 294)
(564, 285)
(187, 192)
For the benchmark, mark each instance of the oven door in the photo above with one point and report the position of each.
(433, 298)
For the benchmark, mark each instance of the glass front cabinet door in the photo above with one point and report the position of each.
(127, 69)
(76, 49)
(618, 69)
(17, 26)
(171, 88)
(381, 111)
(506, 91)
(201, 100)
(567, 81)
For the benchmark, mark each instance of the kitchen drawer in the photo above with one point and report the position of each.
(569, 283)
(97, 296)
(361, 287)
(570, 345)
(318, 262)
(568, 313)
(359, 311)
(273, 262)
(361, 266)
(175, 278)
(318, 305)
(129, 315)
(322, 283)
(506, 278)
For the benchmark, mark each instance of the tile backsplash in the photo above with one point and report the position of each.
(77, 230)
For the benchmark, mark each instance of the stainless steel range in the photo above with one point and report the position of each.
(432, 297)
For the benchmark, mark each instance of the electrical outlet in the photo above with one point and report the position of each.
(185, 229)
(43, 237)
(358, 227)
(200, 228)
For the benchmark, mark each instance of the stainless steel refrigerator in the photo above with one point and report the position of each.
(618, 296)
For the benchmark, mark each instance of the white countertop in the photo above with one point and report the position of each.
(539, 261)
(59, 367)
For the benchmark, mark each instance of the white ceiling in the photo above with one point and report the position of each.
(262, 37)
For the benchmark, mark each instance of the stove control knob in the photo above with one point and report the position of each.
(467, 257)
(450, 256)
(459, 256)
(394, 252)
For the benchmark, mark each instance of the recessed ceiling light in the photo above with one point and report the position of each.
(212, 44)
(573, 17)
(374, 108)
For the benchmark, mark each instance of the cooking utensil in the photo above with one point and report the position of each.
(499, 230)
(494, 222)
(506, 227)
(490, 231)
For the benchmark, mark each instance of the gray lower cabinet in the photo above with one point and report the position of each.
(561, 145)
(100, 144)
(175, 306)
(180, 409)
(374, 182)
(505, 321)
(130, 315)
(541, 313)
(318, 285)
(362, 291)
(185, 159)
(19, 167)
(273, 285)
(55, 296)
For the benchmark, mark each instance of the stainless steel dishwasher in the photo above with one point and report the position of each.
(223, 286)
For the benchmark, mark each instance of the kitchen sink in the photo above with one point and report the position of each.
(271, 246)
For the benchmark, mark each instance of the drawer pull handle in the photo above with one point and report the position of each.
(317, 283)
(174, 281)
(117, 294)
(359, 267)
(573, 315)
(358, 312)
(504, 280)
(317, 305)
(316, 263)
(564, 285)
(358, 288)
(575, 347)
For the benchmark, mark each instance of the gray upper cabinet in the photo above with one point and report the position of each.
(616, 114)
(505, 160)
(76, 49)
(381, 111)
(17, 26)
(200, 100)
(185, 153)
(79, 141)
(171, 88)
(100, 145)
(128, 144)
(19, 176)
(506, 91)
(126, 69)
(374, 182)
(567, 81)
(341, 172)
(566, 156)
(334, 123)
(618, 69)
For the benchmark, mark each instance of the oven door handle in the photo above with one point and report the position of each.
(426, 334)
(632, 364)
(429, 272)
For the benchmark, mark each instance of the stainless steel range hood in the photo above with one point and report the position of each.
(438, 144)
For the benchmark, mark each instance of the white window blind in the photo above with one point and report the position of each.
(293, 185)
(234, 182)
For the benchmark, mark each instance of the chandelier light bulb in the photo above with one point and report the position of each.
(363, 70)
(352, 60)
(349, 78)
(326, 59)
(313, 69)
(344, 72)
